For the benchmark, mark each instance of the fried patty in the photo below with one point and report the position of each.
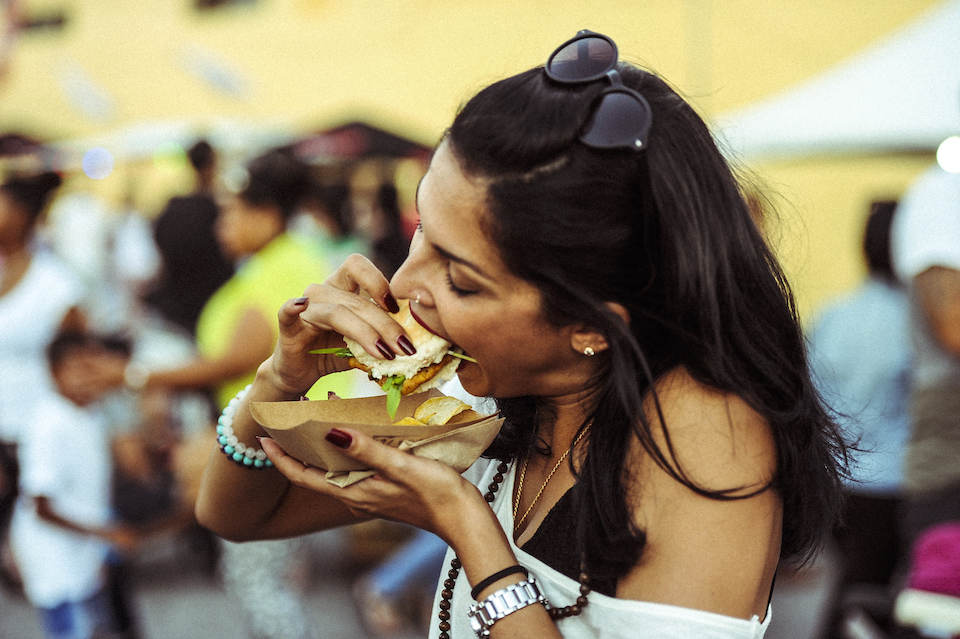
(410, 385)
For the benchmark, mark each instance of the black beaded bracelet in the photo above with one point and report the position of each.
(512, 570)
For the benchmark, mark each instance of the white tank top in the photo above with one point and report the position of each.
(604, 617)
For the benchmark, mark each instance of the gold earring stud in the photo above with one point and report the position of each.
(589, 352)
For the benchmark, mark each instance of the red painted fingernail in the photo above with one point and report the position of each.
(406, 345)
(391, 303)
(301, 301)
(385, 350)
(339, 438)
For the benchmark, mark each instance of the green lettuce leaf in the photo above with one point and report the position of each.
(392, 387)
(341, 352)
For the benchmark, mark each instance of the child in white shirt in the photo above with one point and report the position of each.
(62, 535)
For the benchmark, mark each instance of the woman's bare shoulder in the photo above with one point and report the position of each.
(711, 554)
(713, 438)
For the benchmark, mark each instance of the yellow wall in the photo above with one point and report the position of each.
(407, 64)
(822, 205)
(412, 61)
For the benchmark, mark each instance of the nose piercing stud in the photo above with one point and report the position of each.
(418, 298)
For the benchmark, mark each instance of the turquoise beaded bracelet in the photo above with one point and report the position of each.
(233, 448)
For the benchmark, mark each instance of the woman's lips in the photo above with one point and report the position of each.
(414, 315)
(422, 323)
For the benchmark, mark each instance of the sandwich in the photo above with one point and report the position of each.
(435, 361)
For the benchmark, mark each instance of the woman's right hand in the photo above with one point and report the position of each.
(326, 313)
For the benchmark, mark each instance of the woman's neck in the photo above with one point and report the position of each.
(559, 433)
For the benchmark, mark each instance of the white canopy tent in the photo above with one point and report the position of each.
(902, 94)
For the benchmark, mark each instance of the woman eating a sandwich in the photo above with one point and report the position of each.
(584, 242)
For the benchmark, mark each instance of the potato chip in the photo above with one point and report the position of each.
(409, 421)
(440, 410)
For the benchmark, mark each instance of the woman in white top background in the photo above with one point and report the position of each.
(39, 295)
(583, 239)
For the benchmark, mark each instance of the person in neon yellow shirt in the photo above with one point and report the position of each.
(236, 331)
(237, 328)
(237, 325)
(240, 316)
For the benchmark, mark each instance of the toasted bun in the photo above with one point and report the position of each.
(431, 361)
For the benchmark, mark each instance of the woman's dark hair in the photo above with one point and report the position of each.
(279, 179)
(876, 240)
(688, 263)
(32, 192)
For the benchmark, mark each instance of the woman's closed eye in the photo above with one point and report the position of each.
(461, 292)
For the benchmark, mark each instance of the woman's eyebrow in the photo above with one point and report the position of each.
(439, 249)
(459, 260)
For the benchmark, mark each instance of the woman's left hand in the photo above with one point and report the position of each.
(409, 489)
(426, 494)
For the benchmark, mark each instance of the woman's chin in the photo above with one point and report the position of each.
(472, 380)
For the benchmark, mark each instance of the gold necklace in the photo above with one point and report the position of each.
(446, 595)
(523, 473)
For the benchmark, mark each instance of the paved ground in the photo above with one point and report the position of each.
(177, 599)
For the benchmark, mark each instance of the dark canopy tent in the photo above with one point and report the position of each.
(356, 141)
(15, 144)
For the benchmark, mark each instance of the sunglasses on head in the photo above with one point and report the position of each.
(621, 117)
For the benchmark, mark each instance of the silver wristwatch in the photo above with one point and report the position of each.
(514, 597)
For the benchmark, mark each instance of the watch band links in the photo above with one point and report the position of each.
(503, 602)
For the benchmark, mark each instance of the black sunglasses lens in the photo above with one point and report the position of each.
(620, 120)
(583, 60)
(621, 117)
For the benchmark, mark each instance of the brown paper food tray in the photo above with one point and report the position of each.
(300, 427)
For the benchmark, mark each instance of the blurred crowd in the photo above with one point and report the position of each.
(886, 357)
(122, 335)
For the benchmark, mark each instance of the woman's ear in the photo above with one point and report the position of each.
(589, 341)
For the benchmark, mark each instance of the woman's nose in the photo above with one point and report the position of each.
(407, 279)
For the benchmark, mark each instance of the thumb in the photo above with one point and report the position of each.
(291, 310)
(386, 460)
